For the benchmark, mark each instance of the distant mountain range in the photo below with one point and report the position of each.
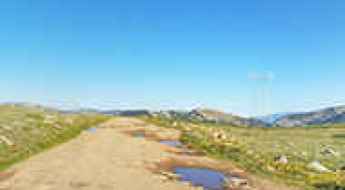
(271, 119)
(212, 116)
(331, 115)
(225, 118)
(127, 113)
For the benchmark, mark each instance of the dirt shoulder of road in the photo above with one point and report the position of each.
(104, 159)
(109, 157)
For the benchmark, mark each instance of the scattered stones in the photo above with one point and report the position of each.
(237, 183)
(282, 159)
(169, 176)
(7, 141)
(318, 167)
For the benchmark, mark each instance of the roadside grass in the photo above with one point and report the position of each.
(256, 150)
(26, 131)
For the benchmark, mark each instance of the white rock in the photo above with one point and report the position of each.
(317, 166)
(219, 136)
(7, 141)
(236, 182)
(330, 151)
(6, 127)
(282, 159)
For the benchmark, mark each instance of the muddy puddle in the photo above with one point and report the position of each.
(201, 171)
(172, 143)
(189, 165)
(92, 130)
(202, 177)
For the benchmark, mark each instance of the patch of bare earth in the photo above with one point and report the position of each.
(112, 158)
(105, 159)
(185, 157)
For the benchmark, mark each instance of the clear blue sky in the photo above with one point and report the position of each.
(173, 54)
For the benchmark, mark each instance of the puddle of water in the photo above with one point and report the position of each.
(92, 130)
(172, 143)
(206, 178)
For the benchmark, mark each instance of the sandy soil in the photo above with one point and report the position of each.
(107, 159)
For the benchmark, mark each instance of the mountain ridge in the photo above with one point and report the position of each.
(325, 116)
(329, 115)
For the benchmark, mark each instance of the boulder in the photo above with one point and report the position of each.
(219, 136)
(169, 176)
(237, 183)
(282, 159)
(318, 167)
(7, 141)
(329, 151)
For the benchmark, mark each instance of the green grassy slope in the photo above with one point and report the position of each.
(255, 150)
(25, 131)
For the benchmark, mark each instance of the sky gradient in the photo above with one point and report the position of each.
(174, 55)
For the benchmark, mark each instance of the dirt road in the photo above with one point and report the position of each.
(104, 159)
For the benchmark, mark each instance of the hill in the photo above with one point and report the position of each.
(332, 115)
(212, 116)
(271, 119)
(28, 129)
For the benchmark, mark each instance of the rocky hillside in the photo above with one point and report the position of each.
(215, 116)
(126, 113)
(212, 116)
(332, 115)
(27, 129)
(271, 119)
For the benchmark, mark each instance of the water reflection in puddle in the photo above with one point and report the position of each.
(206, 178)
(92, 130)
(172, 143)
